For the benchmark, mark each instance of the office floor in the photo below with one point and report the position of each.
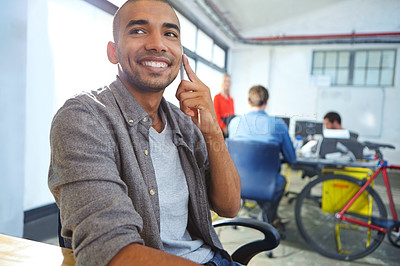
(293, 250)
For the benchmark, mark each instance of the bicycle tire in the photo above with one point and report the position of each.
(318, 227)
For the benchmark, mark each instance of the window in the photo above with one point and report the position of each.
(188, 33)
(356, 68)
(200, 46)
(206, 57)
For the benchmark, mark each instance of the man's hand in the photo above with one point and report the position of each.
(195, 100)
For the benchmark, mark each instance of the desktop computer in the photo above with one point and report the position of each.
(285, 119)
(306, 128)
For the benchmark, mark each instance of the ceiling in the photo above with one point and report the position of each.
(300, 21)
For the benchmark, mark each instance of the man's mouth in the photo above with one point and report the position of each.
(156, 64)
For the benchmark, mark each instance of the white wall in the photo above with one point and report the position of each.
(12, 114)
(67, 43)
(285, 70)
(54, 49)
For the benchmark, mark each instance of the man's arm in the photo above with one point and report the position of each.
(92, 197)
(137, 254)
(195, 101)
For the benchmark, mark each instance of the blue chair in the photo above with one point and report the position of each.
(258, 165)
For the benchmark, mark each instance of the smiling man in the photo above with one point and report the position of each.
(133, 175)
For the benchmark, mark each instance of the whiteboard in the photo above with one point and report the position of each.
(361, 109)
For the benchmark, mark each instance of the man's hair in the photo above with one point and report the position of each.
(332, 117)
(117, 17)
(258, 95)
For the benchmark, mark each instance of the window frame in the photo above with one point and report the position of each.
(352, 66)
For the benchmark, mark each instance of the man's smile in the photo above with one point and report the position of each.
(156, 64)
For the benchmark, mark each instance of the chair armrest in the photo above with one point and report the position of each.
(247, 251)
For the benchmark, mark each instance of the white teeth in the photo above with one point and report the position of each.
(154, 64)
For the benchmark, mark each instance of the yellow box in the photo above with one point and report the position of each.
(336, 193)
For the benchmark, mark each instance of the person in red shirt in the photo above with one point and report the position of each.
(223, 105)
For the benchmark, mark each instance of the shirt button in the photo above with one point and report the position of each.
(130, 121)
(146, 152)
(144, 119)
(152, 192)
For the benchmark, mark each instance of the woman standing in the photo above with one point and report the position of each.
(223, 104)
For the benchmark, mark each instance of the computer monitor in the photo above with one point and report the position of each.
(306, 128)
(285, 119)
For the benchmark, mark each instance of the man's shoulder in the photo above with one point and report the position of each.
(90, 98)
(90, 102)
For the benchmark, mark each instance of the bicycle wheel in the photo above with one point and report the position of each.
(315, 212)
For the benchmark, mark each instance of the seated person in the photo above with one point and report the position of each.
(345, 142)
(133, 175)
(257, 125)
(332, 120)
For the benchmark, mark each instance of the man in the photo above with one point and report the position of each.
(133, 175)
(257, 125)
(332, 120)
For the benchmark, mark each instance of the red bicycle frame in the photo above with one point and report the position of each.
(382, 168)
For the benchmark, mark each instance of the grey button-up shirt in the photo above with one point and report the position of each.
(103, 180)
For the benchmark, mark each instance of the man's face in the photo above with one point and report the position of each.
(328, 124)
(149, 48)
(227, 84)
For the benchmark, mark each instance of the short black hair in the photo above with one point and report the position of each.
(333, 116)
(117, 17)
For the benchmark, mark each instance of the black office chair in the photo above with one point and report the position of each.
(332, 145)
(243, 254)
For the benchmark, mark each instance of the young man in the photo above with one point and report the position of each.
(134, 176)
(332, 120)
(258, 126)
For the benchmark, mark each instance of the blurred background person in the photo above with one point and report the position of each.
(223, 105)
(258, 126)
(332, 120)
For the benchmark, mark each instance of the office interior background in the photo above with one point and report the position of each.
(314, 56)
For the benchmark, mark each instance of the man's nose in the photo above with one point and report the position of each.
(156, 43)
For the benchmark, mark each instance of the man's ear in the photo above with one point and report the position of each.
(112, 53)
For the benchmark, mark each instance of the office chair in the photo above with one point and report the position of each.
(242, 254)
(258, 165)
(331, 145)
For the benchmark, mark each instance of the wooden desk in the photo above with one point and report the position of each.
(19, 251)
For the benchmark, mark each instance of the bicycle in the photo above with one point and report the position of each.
(349, 219)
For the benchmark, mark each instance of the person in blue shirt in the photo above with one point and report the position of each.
(257, 125)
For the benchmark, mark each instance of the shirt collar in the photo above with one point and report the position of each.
(133, 112)
(258, 112)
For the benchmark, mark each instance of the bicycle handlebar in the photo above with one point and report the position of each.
(376, 147)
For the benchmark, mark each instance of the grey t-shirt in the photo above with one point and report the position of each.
(174, 198)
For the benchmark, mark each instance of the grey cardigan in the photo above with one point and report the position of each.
(103, 180)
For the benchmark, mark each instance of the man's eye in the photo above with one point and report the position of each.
(136, 31)
(171, 34)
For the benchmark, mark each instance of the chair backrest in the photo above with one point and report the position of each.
(258, 165)
(330, 146)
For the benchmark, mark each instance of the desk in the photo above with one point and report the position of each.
(313, 166)
(19, 251)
